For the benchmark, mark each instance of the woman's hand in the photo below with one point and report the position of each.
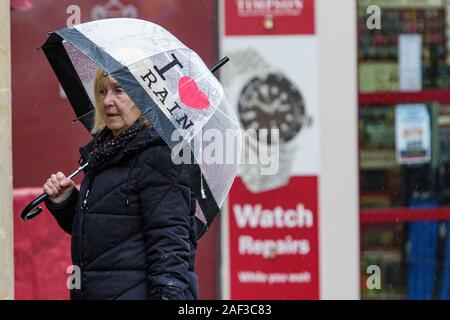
(58, 187)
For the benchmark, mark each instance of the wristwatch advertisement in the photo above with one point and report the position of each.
(266, 99)
(270, 226)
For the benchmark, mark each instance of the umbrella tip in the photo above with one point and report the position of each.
(219, 64)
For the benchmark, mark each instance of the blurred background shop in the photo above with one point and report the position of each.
(360, 92)
(404, 159)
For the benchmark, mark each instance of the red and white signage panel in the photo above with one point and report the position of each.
(288, 17)
(274, 241)
(270, 236)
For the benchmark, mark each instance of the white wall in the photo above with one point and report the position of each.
(338, 184)
(6, 213)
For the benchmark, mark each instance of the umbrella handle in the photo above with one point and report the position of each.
(219, 64)
(29, 213)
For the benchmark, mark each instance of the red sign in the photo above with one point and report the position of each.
(274, 241)
(41, 253)
(269, 17)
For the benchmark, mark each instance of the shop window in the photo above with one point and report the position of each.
(413, 259)
(404, 148)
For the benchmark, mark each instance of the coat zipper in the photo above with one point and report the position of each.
(84, 208)
(85, 201)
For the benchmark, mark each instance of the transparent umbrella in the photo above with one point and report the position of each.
(171, 85)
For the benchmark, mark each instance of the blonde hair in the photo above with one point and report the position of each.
(99, 122)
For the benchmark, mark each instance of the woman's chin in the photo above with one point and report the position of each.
(114, 127)
(114, 124)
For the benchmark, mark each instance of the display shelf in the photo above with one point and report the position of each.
(403, 214)
(381, 99)
(381, 250)
(387, 296)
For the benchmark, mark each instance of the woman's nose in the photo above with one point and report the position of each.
(108, 100)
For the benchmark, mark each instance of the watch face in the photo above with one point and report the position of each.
(272, 102)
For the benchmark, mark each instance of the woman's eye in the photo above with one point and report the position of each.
(119, 89)
(102, 92)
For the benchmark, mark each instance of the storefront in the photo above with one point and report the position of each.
(363, 208)
(404, 159)
(403, 122)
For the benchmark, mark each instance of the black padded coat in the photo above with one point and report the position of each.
(133, 226)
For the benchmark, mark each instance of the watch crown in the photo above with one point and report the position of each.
(268, 22)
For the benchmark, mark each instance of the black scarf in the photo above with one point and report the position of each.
(106, 146)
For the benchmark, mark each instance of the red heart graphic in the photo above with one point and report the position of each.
(191, 95)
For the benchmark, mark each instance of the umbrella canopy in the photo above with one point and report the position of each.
(170, 84)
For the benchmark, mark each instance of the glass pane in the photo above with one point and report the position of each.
(378, 49)
(387, 181)
(413, 260)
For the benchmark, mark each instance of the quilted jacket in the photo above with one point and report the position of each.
(133, 226)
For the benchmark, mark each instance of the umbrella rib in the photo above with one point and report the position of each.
(82, 116)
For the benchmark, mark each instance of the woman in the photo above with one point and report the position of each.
(132, 222)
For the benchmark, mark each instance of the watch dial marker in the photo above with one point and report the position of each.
(248, 115)
(289, 117)
(274, 90)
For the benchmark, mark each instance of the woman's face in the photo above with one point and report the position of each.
(116, 107)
